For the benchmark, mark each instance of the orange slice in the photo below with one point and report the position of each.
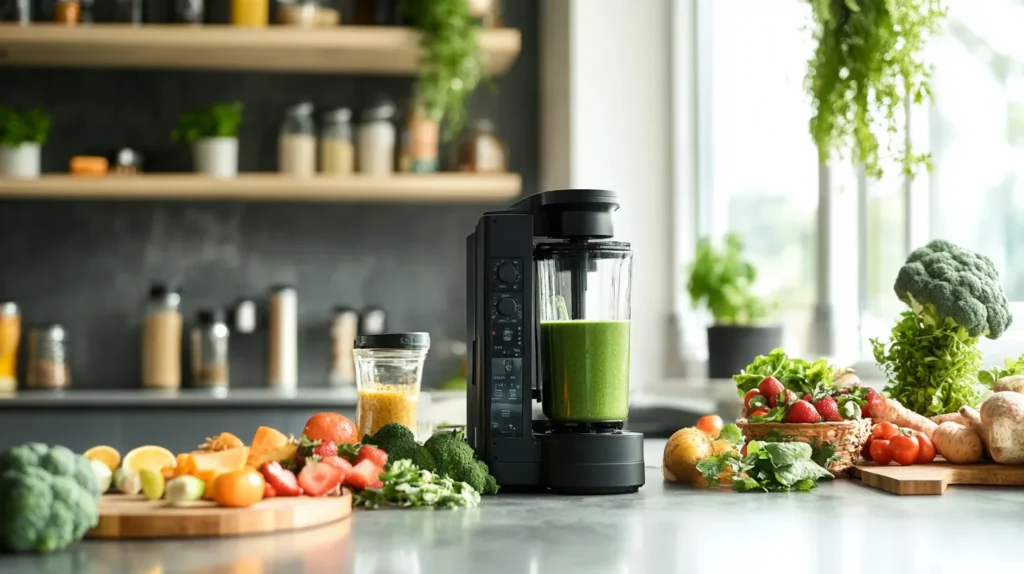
(108, 455)
(221, 461)
(269, 445)
(152, 457)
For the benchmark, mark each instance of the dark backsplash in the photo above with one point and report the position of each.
(88, 265)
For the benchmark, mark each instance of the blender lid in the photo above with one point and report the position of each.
(411, 341)
(570, 248)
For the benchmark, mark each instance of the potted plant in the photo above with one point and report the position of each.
(21, 139)
(722, 280)
(213, 134)
(866, 66)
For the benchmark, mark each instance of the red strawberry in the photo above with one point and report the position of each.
(770, 387)
(325, 449)
(808, 397)
(750, 394)
(872, 396)
(758, 412)
(786, 397)
(373, 454)
(280, 479)
(341, 464)
(364, 475)
(317, 478)
(802, 412)
(828, 408)
(268, 491)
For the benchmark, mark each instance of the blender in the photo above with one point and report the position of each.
(549, 321)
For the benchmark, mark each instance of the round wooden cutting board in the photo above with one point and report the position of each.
(123, 516)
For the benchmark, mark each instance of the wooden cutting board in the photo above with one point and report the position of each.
(123, 516)
(934, 478)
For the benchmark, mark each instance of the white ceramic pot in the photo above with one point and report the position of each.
(216, 157)
(21, 161)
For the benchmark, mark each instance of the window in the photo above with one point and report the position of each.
(758, 172)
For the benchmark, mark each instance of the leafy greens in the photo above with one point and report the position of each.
(405, 485)
(795, 374)
(988, 377)
(767, 467)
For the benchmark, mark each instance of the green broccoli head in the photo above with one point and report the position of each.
(396, 440)
(48, 498)
(423, 459)
(474, 474)
(451, 453)
(955, 283)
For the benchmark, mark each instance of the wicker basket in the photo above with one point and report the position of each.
(848, 437)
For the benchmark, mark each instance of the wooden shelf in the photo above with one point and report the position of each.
(414, 188)
(352, 49)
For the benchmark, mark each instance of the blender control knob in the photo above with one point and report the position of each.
(507, 306)
(507, 273)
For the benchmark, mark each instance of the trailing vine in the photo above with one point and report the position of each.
(866, 66)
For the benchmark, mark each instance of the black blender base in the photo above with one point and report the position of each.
(591, 462)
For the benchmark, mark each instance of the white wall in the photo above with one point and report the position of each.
(607, 124)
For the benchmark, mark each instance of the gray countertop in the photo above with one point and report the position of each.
(840, 527)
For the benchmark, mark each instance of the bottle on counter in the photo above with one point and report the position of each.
(337, 153)
(296, 148)
(250, 13)
(344, 329)
(10, 337)
(376, 139)
(161, 339)
(67, 12)
(283, 345)
(481, 151)
(420, 140)
(210, 337)
(47, 365)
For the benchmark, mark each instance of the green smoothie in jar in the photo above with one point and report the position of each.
(586, 368)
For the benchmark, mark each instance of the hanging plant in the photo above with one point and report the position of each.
(867, 65)
(452, 65)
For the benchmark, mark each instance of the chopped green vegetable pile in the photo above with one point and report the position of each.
(405, 485)
(446, 453)
(767, 467)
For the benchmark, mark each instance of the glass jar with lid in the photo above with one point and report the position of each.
(481, 150)
(297, 145)
(298, 13)
(337, 152)
(420, 140)
(47, 366)
(376, 139)
(161, 339)
(210, 337)
(10, 337)
(389, 368)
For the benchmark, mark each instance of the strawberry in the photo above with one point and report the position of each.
(339, 463)
(268, 491)
(808, 398)
(364, 475)
(872, 396)
(325, 449)
(759, 412)
(786, 397)
(828, 408)
(802, 412)
(280, 479)
(750, 394)
(317, 478)
(770, 387)
(373, 454)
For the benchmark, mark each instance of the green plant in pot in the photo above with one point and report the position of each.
(722, 281)
(213, 134)
(22, 136)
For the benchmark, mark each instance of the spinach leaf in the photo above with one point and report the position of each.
(783, 453)
(791, 474)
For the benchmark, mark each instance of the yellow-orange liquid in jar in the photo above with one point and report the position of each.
(386, 404)
(10, 335)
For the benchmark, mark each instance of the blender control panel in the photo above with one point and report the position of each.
(506, 346)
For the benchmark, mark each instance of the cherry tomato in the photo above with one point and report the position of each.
(865, 452)
(758, 412)
(880, 452)
(904, 449)
(885, 430)
(711, 425)
(926, 453)
(750, 394)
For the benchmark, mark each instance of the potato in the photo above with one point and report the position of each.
(683, 451)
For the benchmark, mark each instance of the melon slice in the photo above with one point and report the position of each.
(270, 445)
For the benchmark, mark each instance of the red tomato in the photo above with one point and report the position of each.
(880, 452)
(865, 452)
(885, 430)
(750, 394)
(926, 452)
(904, 449)
(711, 425)
(759, 412)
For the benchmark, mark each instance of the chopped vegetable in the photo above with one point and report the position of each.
(406, 485)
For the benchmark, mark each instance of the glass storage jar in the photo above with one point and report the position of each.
(297, 13)
(337, 152)
(161, 339)
(47, 365)
(210, 337)
(296, 151)
(481, 151)
(389, 368)
(376, 139)
(10, 337)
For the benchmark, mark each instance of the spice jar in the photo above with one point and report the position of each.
(250, 13)
(161, 339)
(67, 11)
(344, 328)
(47, 366)
(296, 150)
(337, 154)
(298, 13)
(420, 141)
(10, 337)
(376, 139)
(389, 368)
(189, 11)
(482, 151)
(210, 349)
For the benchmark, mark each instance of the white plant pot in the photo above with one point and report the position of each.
(216, 157)
(21, 161)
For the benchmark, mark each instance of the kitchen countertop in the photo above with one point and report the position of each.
(840, 527)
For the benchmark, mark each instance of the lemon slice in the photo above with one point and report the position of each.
(108, 455)
(152, 457)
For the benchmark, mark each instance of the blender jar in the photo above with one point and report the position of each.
(389, 368)
(583, 291)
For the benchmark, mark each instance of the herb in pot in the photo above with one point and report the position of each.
(219, 120)
(17, 128)
(723, 281)
(866, 66)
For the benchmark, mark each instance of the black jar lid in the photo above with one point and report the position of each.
(161, 290)
(409, 341)
(211, 316)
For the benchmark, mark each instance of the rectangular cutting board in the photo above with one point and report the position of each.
(124, 516)
(935, 477)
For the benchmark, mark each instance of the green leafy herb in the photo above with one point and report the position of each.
(988, 377)
(731, 433)
(16, 128)
(797, 375)
(867, 64)
(219, 120)
(452, 65)
(405, 485)
(723, 281)
(767, 467)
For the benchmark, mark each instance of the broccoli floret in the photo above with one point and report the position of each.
(943, 281)
(396, 440)
(490, 486)
(455, 460)
(48, 498)
(423, 459)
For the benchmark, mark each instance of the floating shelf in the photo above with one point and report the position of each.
(413, 188)
(353, 49)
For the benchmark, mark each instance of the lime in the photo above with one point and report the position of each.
(153, 483)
